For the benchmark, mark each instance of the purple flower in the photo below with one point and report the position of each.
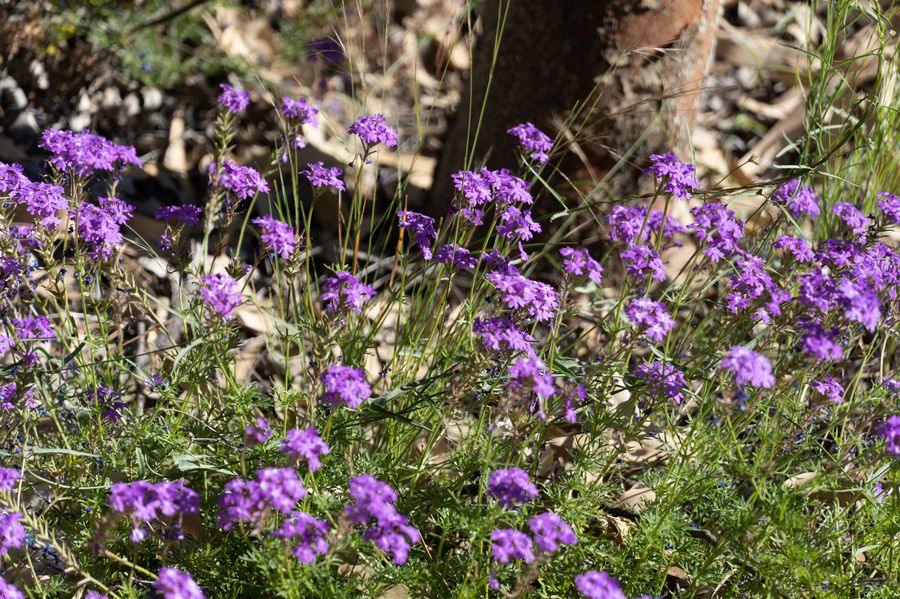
(549, 531)
(99, 226)
(221, 294)
(798, 199)
(300, 110)
(306, 444)
(326, 49)
(578, 262)
(11, 178)
(678, 176)
(750, 285)
(663, 379)
(421, 228)
(276, 489)
(345, 384)
(501, 334)
(8, 478)
(323, 176)
(852, 217)
(538, 300)
(634, 225)
(749, 367)
(485, 187)
(890, 430)
(820, 342)
(890, 205)
(511, 486)
(651, 317)
(95, 595)
(373, 507)
(598, 585)
(243, 181)
(308, 532)
(9, 591)
(718, 227)
(533, 141)
(85, 153)
(12, 535)
(455, 256)
(829, 388)
(796, 247)
(508, 545)
(43, 201)
(146, 501)
(175, 584)
(343, 292)
(33, 327)
(108, 401)
(516, 223)
(642, 262)
(187, 215)
(277, 236)
(233, 99)
(372, 130)
(260, 432)
(530, 379)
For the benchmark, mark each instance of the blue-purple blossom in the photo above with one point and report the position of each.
(145, 501)
(85, 153)
(277, 489)
(579, 263)
(662, 379)
(243, 181)
(852, 217)
(678, 177)
(186, 215)
(829, 388)
(799, 199)
(643, 263)
(277, 236)
(12, 535)
(220, 293)
(345, 384)
(598, 585)
(12, 178)
(99, 227)
(373, 507)
(299, 110)
(528, 378)
(320, 175)
(651, 317)
(259, 431)
(343, 291)
(890, 431)
(43, 201)
(718, 228)
(502, 334)
(373, 130)
(538, 300)
(533, 141)
(479, 190)
(33, 327)
(9, 591)
(233, 99)
(8, 478)
(749, 367)
(751, 285)
(510, 486)
(634, 225)
(550, 531)
(889, 205)
(309, 534)
(796, 247)
(820, 342)
(508, 544)
(455, 256)
(421, 228)
(175, 584)
(305, 444)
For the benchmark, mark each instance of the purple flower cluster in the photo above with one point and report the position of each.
(309, 534)
(99, 226)
(172, 583)
(9, 590)
(799, 199)
(533, 141)
(528, 378)
(478, 190)
(749, 367)
(43, 201)
(819, 342)
(829, 388)
(232, 99)
(662, 379)
(305, 444)
(679, 179)
(299, 110)
(890, 431)
(852, 216)
(510, 486)
(634, 225)
(642, 263)
(751, 285)
(508, 544)
(796, 247)
(243, 181)
(343, 292)
(598, 585)
(421, 228)
(889, 205)
(579, 263)
(12, 535)
(372, 130)
(538, 300)
(186, 215)
(146, 501)
(455, 256)
(277, 236)
(320, 175)
(8, 478)
(373, 507)
(85, 153)
(501, 334)
(549, 531)
(259, 432)
(220, 293)
(718, 228)
(345, 384)
(651, 317)
(277, 489)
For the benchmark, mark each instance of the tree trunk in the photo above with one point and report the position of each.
(631, 69)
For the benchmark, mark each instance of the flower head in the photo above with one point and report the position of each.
(299, 110)
(421, 228)
(579, 263)
(651, 317)
(9, 590)
(634, 225)
(277, 489)
(678, 176)
(749, 367)
(455, 256)
(852, 217)
(243, 181)
(795, 246)
(373, 130)
(529, 377)
(889, 205)
(259, 432)
(718, 227)
(145, 502)
(510, 486)
(43, 201)
(85, 153)
(533, 141)
(309, 534)
(373, 507)
(501, 334)
(663, 379)
(829, 388)
(598, 585)
(508, 545)
(345, 384)
(890, 431)
(186, 215)
(220, 293)
(8, 478)
(12, 535)
(343, 292)
(277, 236)
(642, 263)
(538, 300)
(99, 226)
(799, 199)
(233, 99)
(306, 444)
(549, 531)
(175, 584)
(320, 175)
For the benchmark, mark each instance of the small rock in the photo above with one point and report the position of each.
(111, 98)
(80, 121)
(12, 98)
(153, 98)
(37, 70)
(131, 105)
(25, 128)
